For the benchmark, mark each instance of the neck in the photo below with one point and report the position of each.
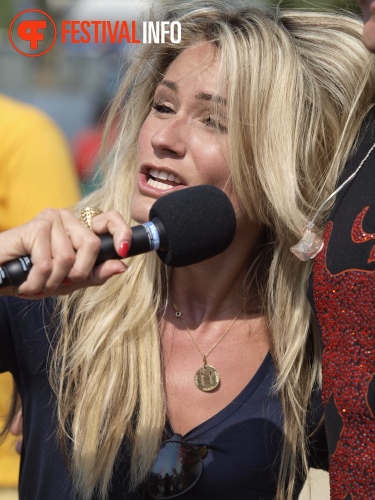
(214, 288)
(211, 292)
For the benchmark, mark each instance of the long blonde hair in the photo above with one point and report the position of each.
(299, 85)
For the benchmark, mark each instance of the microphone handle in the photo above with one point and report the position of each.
(145, 238)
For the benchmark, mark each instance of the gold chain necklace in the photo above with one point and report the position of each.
(206, 378)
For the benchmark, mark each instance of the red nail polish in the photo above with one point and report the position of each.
(66, 281)
(124, 249)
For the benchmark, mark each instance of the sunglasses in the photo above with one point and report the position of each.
(177, 468)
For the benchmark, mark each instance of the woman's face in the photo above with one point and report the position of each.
(183, 141)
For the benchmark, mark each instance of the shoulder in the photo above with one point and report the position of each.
(22, 122)
(15, 111)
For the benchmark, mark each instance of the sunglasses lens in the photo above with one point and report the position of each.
(176, 469)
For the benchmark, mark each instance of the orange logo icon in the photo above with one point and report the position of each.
(30, 36)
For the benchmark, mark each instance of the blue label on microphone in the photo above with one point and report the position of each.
(153, 235)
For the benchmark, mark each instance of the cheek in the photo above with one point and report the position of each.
(144, 138)
(213, 163)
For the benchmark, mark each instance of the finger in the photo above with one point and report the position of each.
(52, 254)
(98, 276)
(64, 252)
(107, 270)
(86, 245)
(112, 222)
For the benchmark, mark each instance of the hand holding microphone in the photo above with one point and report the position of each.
(185, 227)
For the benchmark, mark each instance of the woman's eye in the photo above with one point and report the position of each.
(162, 108)
(216, 124)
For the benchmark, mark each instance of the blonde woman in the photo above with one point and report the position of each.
(260, 105)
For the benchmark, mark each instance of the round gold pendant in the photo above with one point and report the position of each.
(207, 378)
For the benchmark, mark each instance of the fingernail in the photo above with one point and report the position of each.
(124, 249)
(121, 271)
(66, 281)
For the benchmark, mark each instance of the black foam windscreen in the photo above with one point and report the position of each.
(199, 223)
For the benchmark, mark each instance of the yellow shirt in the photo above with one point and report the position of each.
(36, 167)
(36, 172)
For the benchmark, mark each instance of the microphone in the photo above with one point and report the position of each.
(185, 227)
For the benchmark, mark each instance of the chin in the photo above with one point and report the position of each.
(140, 210)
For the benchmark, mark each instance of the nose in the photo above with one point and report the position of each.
(169, 138)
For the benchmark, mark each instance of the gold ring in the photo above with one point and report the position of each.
(87, 214)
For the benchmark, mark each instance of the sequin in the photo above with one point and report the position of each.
(360, 236)
(345, 306)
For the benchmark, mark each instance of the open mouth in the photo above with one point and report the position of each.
(160, 179)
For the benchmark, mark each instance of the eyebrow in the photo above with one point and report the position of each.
(200, 95)
(209, 97)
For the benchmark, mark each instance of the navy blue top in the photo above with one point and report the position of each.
(243, 439)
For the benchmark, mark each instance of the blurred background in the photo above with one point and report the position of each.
(70, 80)
(73, 85)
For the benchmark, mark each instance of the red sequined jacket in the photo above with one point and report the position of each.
(343, 297)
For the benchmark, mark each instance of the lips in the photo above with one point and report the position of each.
(162, 179)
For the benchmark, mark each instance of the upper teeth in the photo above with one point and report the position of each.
(165, 176)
